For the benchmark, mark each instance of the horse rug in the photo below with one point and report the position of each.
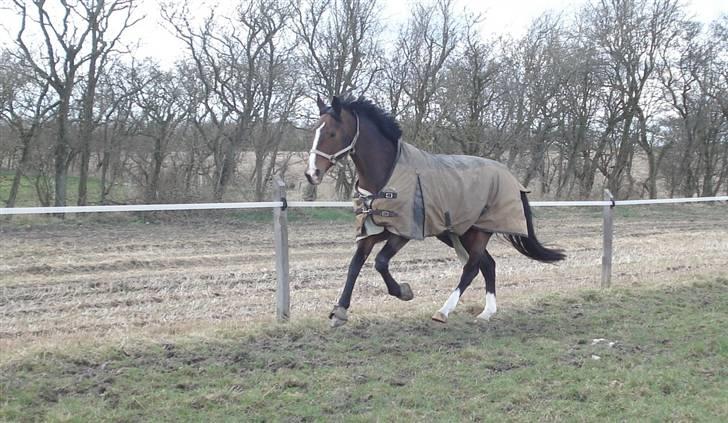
(430, 194)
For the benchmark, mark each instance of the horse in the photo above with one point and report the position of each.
(461, 200)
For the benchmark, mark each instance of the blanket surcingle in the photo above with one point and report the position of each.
(429, 194)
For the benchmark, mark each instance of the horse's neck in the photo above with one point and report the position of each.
(374, 159)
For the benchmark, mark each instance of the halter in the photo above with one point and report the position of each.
(333, 158)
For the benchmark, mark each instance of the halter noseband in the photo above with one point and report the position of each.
(333, 158)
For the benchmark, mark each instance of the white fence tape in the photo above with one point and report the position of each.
(312, 204)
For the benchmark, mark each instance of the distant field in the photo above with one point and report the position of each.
(27, 196)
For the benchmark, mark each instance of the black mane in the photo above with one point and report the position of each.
(383, 120)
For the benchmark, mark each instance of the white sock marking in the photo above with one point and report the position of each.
(451, 302)
(311, 171)
(490, 307)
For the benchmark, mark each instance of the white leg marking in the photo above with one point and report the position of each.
(490, 307)
(451, 302)
(311, 171)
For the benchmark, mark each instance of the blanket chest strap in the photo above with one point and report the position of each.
(382, 213)
(388, 195)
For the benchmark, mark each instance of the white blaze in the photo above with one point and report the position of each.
(311, 171)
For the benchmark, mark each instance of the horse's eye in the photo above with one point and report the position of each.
(331, 134)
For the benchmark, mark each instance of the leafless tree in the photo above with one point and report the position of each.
(161, 102)
(691, 79)
(104, 36)
(340, 38)
(72, 34)
(630, 34)
(341, 55)
(426, 43)
(236, 58)
(544, 81)
(119, 121)
(472, 89)
(25, 105)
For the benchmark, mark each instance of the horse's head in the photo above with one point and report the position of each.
(336, 133)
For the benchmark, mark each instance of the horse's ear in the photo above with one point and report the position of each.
(321, 104)
(336, 105)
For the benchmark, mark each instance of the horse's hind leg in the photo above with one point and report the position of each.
(474, 242)
(487, 267)
(381, 263)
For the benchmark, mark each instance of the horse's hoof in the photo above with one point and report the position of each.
(338, 317)
(335, 322)
(406, 293)
(485, 316)
(439, 317)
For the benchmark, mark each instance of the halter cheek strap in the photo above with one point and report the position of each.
(333, 158)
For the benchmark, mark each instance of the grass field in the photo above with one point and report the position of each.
(153, 317)
(648, 354)
(27, 196)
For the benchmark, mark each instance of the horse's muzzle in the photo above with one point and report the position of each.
(315, 179)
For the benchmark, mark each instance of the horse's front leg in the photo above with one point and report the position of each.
(339, 315)
(381, 263)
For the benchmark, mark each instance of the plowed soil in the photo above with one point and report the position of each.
(107, 279)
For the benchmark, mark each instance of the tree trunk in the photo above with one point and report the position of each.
(157, 162)
(87, 124)
(622, 163)
(83, 174)
(61, 153)
(226, 172)
(19, 171)
(105, 162)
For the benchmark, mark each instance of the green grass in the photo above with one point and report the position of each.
(669, 362)
(297, 215)
(27, 196)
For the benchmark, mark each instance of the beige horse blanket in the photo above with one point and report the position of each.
(430, 194)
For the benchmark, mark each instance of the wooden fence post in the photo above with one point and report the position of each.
(608, 232)
(280, 228)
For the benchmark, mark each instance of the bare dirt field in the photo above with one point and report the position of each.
(116, 278)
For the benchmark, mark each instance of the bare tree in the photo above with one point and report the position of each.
(691, 80)
(472, 91)
(119, 120)
(630, 35)
(544, 80)
(161, 101)
(426, 43)
(234, 58)
(66, 32)
(581, 100)
(104, 35)
(341, 52)
(341, 56)
(25, 105)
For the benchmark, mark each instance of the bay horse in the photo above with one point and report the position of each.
(497, 203)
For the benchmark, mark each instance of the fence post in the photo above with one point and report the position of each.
(608, 232)
(280, 228)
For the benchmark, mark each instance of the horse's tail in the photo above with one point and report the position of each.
(530, 246)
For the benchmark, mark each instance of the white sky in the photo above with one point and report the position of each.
(501, 17)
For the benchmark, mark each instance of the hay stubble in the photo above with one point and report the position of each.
(64, 283)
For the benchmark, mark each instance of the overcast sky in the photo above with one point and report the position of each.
(500, 17)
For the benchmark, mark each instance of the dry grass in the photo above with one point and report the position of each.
(82, 281)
